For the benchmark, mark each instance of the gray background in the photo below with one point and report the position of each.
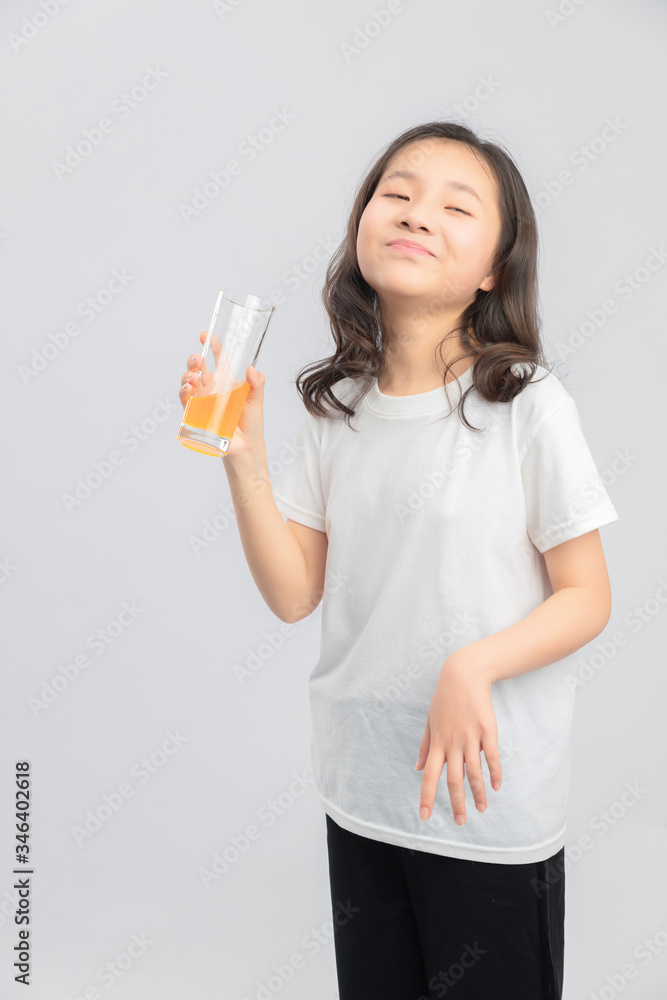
(223, 71)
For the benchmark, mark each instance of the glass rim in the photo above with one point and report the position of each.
(234, 294)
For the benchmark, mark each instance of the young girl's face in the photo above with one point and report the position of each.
(461, 229)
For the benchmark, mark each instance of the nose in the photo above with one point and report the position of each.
(413, 219)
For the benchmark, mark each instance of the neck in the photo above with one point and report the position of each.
(412, 365)
(409, 341)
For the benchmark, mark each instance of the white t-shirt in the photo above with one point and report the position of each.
(435, 535)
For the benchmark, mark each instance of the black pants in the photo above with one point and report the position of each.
(409, 925)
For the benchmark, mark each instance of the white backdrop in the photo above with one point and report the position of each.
(162, 707)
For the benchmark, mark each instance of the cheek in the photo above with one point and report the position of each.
(364, 238)
(374, 216)
(470, 254)
(474, 243)
(371, 226)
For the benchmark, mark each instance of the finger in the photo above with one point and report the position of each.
(195, 362)
(455, 785)
(185, 394)
(473, 760)
(190, 380)
(217, 349)
(432, 771)
(424, 747)
(216, 346)
(220, 363)
(492, 754)
(199, 364)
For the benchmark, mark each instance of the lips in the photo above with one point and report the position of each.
(409, 246)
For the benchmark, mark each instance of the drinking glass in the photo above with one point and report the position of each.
(234, 338)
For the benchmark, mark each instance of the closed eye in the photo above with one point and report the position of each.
(407, 199)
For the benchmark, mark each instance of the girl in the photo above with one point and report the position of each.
(452, 537)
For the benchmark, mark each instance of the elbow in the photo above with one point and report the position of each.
(288, 617)
(292, 615)
(600, 611)
(303, 607)
(296, 616)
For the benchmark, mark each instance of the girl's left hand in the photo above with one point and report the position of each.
(460, 724)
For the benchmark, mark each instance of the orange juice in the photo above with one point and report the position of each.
(217, 414)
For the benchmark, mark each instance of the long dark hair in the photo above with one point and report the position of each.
(504, 321)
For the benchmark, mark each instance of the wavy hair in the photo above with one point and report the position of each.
(504, 322)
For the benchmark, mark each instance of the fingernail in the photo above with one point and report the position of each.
(460, 819)
(481, 807)
(424, 812)
(417, 764)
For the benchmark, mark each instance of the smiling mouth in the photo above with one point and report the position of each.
(405, 248)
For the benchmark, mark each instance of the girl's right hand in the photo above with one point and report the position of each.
(248, 438)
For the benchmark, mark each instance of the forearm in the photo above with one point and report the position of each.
(565, 622)
(274, 556)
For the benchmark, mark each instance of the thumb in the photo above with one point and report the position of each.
(256, 382)
(256, 379)
(252, 416)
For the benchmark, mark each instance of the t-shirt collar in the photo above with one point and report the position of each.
(434, 401)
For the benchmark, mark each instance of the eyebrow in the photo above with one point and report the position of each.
(410, 175)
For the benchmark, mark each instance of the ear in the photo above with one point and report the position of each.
(488, 283)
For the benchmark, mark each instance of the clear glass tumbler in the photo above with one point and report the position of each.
(234, 338)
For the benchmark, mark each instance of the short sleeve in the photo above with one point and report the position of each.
(298, 489)
(565, 495)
